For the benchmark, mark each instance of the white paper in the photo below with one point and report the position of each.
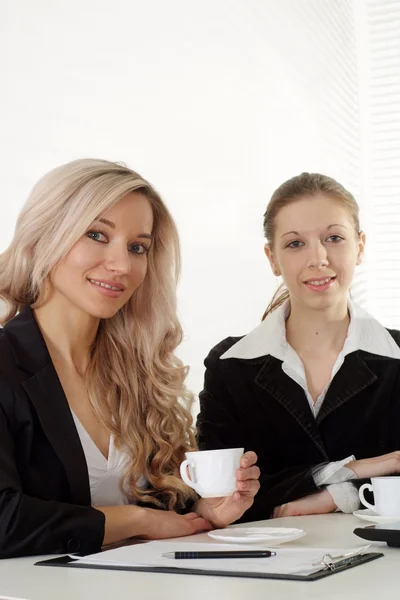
(287, 560)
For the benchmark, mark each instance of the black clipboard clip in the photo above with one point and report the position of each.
(345, 560)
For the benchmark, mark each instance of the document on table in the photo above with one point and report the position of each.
(288, 561)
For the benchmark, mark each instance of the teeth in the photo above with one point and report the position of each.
(320, 281)
(105, 285)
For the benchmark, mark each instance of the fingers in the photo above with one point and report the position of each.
(197, 523)
(248, 488)
(285, 510)
(247, 480)
(190, 516)
(249, 473)
(248, 459)
(242, 502)
(200, 524)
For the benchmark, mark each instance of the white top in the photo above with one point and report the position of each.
(269, 338)
(105, 475)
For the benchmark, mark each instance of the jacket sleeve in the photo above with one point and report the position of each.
(33, 526)
(220, 425)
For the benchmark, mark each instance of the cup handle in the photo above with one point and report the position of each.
(184, 474)
(366, 486)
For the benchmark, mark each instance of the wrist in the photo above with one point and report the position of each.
(138, 520)
(122, 522)
(351, 465)
(205, 509)
(201, 508)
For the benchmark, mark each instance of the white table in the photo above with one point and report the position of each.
(379, 579)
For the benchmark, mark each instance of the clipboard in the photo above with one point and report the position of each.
(329, 566)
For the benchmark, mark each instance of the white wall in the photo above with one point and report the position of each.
(216, 103)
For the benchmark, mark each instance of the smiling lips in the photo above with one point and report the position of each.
(112, 289)
(320, 284)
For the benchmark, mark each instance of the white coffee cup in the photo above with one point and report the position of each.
(386, 494)
(212, 472)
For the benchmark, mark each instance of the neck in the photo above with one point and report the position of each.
(309, 330)
(68, 331)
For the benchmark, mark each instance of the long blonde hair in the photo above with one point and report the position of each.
(305, 184)
(135, 383)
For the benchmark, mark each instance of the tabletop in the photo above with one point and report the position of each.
(21, 579)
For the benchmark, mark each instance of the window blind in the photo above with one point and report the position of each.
(382, 159)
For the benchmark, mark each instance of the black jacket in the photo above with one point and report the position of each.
(44, 483)
(253, 403)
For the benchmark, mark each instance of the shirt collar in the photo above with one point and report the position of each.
(269, 338)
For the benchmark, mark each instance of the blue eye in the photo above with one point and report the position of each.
(335, 238)
(97, 236)
(295, 244)
(138, 249)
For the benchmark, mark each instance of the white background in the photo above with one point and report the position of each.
(216, 103)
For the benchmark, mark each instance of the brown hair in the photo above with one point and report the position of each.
(305, 184)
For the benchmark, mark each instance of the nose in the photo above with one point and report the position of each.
(118, 260)
(318, 257)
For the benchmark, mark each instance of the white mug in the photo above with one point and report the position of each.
(386, 494)
(212, 472)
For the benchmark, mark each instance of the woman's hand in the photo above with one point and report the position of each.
(129, 520)
(162, 524)
(387, 464)
(314, 504)
(223, 511)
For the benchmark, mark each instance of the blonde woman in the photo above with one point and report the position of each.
(315, 388)
(94, 414)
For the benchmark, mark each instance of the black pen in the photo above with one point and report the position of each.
(218, 554)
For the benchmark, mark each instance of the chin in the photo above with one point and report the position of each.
(102, 312)
(105, 314)
(325, 302)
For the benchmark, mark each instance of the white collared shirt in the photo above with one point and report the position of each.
(269, 338)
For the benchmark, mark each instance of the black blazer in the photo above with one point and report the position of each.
(44, 484)
(253, 403)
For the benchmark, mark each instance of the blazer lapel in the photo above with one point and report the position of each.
(353, 377)
(291, 396)
(47, 395)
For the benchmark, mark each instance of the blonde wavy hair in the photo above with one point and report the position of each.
(292, 190)
(134, 381)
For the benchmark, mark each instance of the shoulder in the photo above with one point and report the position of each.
(215, 353)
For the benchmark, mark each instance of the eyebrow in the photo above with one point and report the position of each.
(146, 236)
(107, 222)
(329, 227)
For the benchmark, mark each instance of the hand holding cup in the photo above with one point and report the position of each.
(226, 480)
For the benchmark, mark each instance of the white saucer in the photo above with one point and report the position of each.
(273, 536)
(367, 514)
